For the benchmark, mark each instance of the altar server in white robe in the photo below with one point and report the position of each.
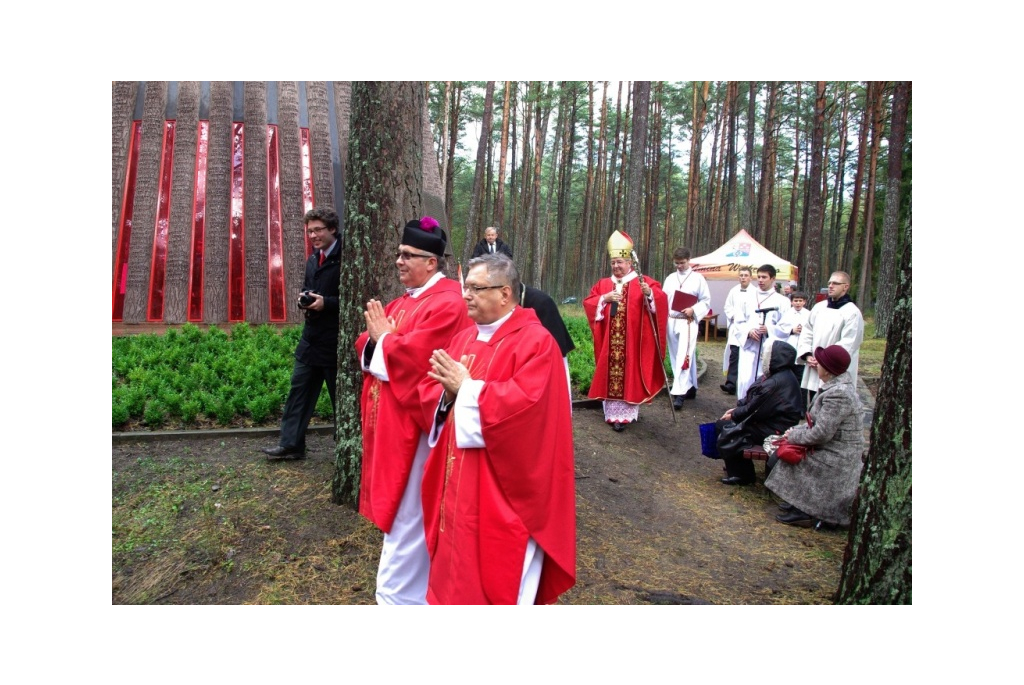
(737, 309)
(755, 333)
(683, 323)
(833, 321)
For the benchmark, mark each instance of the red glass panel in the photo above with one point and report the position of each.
(195, 276)
(236, 241)
(308, 196)
(125, 222)
(275, 236)
(158, 265)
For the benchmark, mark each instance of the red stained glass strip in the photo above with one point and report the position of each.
(158, 265)
(236, 241)
(125, 234)
(275, 234)
(308, 195)
(195, 275)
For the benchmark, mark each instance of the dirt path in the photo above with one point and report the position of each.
(655, 525)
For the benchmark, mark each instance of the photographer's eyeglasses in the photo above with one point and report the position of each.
(406, 256)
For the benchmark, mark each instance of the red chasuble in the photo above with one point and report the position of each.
(392, 421)
(628, 366)
(480, 505)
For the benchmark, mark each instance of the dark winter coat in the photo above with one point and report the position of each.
(319, 343)
(773, 403)
(824, 483)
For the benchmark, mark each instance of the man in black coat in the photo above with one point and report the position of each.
(772, 405)
(491, 244)
(316, 355)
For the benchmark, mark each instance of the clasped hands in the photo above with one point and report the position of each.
(448, 372)
(377, 322)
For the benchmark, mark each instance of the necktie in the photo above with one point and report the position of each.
(322, 257)
(492, 248)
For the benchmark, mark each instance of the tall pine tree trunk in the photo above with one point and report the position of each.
(795, 191)
(383, 190)
(846, 259)
(867, 253)
(475, 202)
(890, 224)
(877, 563)
(700, 112)
(499, 203)
(815, 204)
(748, 218)
(633, 218)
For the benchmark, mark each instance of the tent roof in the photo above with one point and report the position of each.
(741, 251)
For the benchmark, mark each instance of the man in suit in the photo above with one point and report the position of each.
(316, 355)
(491, 244)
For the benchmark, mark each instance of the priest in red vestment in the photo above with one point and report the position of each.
(395, 354)
(628, 316)
(499, 485)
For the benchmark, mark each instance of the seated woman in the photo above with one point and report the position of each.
(823, 484)
(772, 404)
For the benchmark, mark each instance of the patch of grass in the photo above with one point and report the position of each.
(872, 350)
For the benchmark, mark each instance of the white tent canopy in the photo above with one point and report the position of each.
(721, 267)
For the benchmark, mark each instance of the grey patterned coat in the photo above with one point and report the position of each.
(825, 482)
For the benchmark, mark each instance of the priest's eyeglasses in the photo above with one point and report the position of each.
(406, 256)
(475, 289)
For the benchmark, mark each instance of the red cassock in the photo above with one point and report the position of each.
(481, 505)
(629, 367)
(392, 422)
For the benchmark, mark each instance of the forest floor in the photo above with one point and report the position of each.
(203, 518)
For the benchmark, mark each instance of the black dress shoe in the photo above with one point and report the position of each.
(677, 401)
(728, 387)
(279, 452)
(691, 394)
(795, 517)
(736, 480)
(785, 506)
(618, 427)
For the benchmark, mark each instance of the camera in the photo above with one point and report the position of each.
(306, 298)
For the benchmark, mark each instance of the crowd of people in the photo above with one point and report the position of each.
(466, 410)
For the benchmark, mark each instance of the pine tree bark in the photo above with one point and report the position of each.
(815, 204)
(475, 208)
(749, 207)
(795, 191)
(729, 158)
(877, 563)
(877, 98)
(499, 203)
(583, 253)
(762, 222)
(637, 148)
(383, 190)
(890, 223)
(700, 112)
(839, 189)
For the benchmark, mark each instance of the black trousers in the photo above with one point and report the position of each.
(737, 466)
(734, 363)
(298, 409)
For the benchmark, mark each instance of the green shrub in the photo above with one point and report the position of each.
(155, 414)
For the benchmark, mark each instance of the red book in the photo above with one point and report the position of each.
(681, 301)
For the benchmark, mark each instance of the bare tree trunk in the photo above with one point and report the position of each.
(499, 204)
(749, 207)
(565, 189)
(595, 263)
(583, 254)
(700, 112)
(858, 183)
(796, 180)
(878, 558)
(382, 191)
(535, 263)
(890, 223)
(445, 135)
(453, 138)
(730, 156)
(620, 190)
(475, 209)
(832, 258)
(815, 206)
(637, 146)
(762, 222)
(878, 123)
